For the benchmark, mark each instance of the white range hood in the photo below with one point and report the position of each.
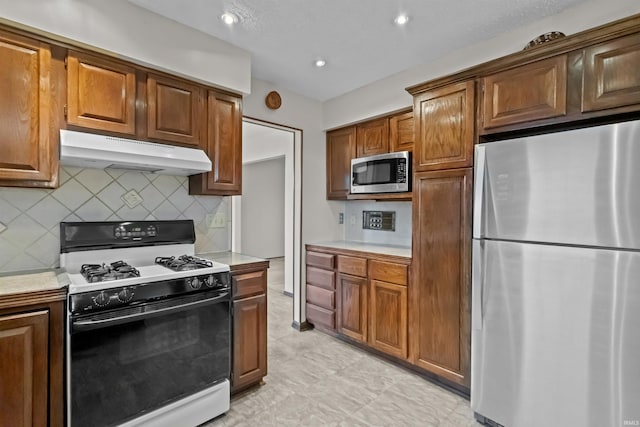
(87, 150)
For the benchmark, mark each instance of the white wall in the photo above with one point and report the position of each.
(133, 33)
(389, 94)
(263, 208)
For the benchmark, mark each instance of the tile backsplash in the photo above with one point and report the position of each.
(354, 232)
(29, 218)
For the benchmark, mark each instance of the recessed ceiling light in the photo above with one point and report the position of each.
(229, 18)
(401, 19)
(320, 63)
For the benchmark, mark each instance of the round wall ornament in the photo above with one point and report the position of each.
(273, 100)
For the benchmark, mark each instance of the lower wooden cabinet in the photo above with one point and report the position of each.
(249, 286)
(352, 306)
(370, 297)
(388, 318)
(31, 356)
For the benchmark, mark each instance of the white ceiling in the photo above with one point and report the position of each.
(358, 38)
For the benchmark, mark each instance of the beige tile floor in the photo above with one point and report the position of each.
(317, 380)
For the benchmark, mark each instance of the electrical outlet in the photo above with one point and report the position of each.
(352, 220)
(341, 218)
(219, 220)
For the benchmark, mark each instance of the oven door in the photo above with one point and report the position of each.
(127, 362)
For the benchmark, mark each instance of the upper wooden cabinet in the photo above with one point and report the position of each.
(372, 137)
(175, 110)
(223, 146)
(444, 127)
(101, 94)
(401, 132)
(611, 76)
(523, 94)
(341, 148)
(28, 137)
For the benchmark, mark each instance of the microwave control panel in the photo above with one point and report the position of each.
(379, 220)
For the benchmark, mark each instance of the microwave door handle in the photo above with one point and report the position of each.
(88, 325)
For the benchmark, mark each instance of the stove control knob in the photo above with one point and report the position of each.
(125, 295)
(195, 283)
(211, 281)
(101, 300)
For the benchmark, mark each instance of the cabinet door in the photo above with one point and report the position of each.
(28, 145)
(440, 287)
(341, 148)
(175, 111)
(388, 318)
(444, 128)
(372, 137)
(352, 306)
(24, 355)
(401, 132)
(610, 75)
(530, 92)
(100, 94)
(223, 146)
(249, 341)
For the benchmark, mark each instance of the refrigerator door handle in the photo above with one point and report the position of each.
(477, 285)
(478, 190)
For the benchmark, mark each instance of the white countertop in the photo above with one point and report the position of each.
(401, 251)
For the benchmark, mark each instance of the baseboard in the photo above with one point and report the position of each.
(288, 294)
(304, 326)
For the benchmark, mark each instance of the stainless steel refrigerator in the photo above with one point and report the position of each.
(556, 279)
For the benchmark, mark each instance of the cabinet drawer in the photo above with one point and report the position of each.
(388, 272)
(247, 284)
(352, 265)
(322, 278)
(321, 316)
(321, 297)
(320, 260)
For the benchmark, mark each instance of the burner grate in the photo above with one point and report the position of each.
(103, 272)
(183, 262)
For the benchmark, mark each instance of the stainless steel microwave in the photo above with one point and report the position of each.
(382, 173)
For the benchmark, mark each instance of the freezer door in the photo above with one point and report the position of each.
(575, 187)
(555, 338)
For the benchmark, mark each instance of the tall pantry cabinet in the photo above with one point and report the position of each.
(439, 322)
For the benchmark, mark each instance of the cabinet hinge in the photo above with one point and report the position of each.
(65, 111)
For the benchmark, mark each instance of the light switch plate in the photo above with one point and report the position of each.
(218, 220)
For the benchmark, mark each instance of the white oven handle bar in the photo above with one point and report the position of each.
(88, 325)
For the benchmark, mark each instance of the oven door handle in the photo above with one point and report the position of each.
(92, 324)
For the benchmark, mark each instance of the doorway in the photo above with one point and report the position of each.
(265, 145)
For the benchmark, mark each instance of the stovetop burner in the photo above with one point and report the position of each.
(102, 272)
(183, 262)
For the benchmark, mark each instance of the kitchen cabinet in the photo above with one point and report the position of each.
(101, 94)
(401, 132)
(372, 137)
(523, 94)
(223, 145)
(28, 140)
(341, 148)
(249, 287)
(321, 290)
(371, 289)
(175, 111)
(31, 350)
(444, 127)
(440, 289)
(388, 313)
(352, 297)
(610, 74)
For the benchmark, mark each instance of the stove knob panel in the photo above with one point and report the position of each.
(125, 295)
(102, 299)
(194, 282)
(211, 281)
